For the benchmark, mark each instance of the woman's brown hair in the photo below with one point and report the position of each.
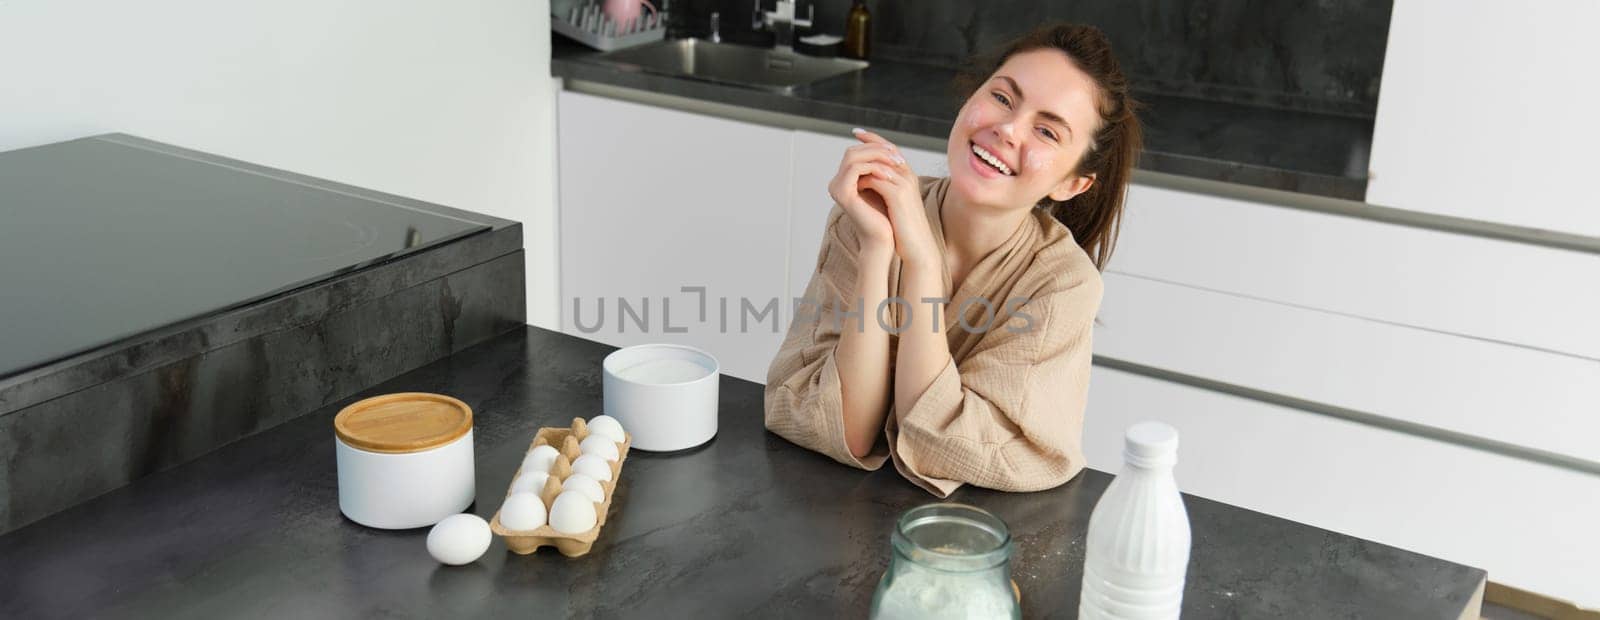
(1095, 216)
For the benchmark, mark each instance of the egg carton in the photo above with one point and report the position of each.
(565, 440)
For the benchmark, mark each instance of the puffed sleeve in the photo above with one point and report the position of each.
(804, 402)
(1010, 416)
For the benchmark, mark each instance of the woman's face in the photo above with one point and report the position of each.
(1035, 115)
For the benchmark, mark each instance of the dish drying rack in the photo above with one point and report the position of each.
(588, 25)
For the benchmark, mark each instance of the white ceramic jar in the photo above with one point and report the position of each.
(665, 395)
(405, 460)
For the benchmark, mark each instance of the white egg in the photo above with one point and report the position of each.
(540, 459)
(607, 426)
(530, 482)
(522, 512)
(459, 539)
(586, 485)
(593, 467)
(572, 513)
(601, 446)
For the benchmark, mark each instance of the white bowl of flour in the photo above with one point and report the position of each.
(664, 394)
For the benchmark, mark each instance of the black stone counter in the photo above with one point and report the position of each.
(1309, 152)
(174, 301)
(748, 526)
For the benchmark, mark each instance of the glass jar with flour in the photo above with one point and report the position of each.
(948, 561)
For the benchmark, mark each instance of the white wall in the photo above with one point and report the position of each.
(441, 101)
(1486, 112)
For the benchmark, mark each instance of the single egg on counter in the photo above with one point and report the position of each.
(607, 426)
(593, 467)
(541, 458)
(522, 512)
(601, 446)
(459, 539)
(530, 482)
(572, 513)
(586, 485)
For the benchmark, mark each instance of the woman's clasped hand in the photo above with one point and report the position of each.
(881, 194)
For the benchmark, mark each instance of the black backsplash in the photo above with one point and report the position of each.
(1311, 55)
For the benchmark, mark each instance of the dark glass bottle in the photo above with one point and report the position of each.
(857, 31)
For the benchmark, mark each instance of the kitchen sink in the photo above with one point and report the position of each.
(725, 63)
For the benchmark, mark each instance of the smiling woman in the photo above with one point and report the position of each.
(954, 315)
(1085, 134)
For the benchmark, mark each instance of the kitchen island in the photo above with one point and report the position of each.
(747, 526)
(161, 302)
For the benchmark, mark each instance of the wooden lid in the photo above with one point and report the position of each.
(404, 422)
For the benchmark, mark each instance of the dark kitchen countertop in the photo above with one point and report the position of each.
(160, 302)
(1313, 153)
(102, 233)
(748, 525)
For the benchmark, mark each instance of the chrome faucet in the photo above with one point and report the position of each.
(781, 22)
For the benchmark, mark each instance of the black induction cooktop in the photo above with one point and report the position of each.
(107, 237)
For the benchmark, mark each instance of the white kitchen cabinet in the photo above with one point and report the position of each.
(816, 160)
(1485, 113)
(654, 200)
(1494, 391)
(1529, 524)
(1502, 291)
(1484, 337)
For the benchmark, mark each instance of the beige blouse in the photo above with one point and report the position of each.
(1007, 412)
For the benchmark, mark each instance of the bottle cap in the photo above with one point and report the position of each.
(1150, 444)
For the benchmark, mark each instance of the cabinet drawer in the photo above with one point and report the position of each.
(1484, 288)
(1498, 392)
